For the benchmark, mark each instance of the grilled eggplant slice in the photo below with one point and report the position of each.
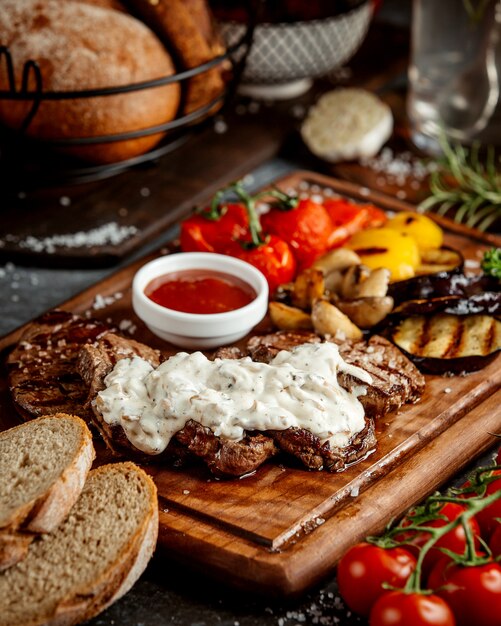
(445, 343)
(488, 303)
(438, 268)
(441, 285)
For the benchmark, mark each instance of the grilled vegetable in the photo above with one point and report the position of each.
(438, 260)
(329, 320)
(385, 247)
(366, 312)
(286, 317)
(435, 276)
(442, 283)
(336, 260)
(308, 287)
(425, 231)
(448, 343)
(488, 303)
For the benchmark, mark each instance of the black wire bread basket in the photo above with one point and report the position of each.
(25, 161)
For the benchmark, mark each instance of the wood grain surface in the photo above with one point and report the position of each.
(283, 528)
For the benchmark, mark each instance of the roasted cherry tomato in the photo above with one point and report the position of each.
(201, 233)
(365, 567)
(472, 592)
(307, 228)
(274, 258)
(454, 540)
(348, 218)
(397, 608)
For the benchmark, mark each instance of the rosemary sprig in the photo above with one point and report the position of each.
(464, 183)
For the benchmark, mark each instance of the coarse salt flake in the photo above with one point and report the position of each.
(110, 233)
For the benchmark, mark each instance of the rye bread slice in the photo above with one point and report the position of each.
(43, 468)
(92, 559)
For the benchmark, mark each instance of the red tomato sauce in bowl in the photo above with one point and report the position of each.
(200, 291)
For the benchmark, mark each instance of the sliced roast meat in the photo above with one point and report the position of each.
(395, 380)
(264, 347)
(42, 368)
(223, 456)
(316, 455)
(62, 361)
(95, 361)
(228, 352)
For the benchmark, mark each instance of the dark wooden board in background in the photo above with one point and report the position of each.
(282, 529)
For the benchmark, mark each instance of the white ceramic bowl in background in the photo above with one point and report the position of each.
(286, 56)
(193, 330)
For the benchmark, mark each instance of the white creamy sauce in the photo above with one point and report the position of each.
(229, 396)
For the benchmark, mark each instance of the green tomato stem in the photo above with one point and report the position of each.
(250, 206)
(474, 506)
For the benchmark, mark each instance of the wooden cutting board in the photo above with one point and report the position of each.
(282, 529)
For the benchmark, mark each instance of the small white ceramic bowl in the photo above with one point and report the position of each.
(193, 330)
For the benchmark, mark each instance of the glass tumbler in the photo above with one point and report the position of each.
(455, 72)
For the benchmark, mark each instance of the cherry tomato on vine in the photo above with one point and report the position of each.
(487, 517)
(274, 258)
(200, 233)
(306, 228)
(454, 540)
(397, 608)
(495, 541)
(472, 592)
(365, 567)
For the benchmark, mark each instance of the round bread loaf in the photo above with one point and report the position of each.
(80, 46)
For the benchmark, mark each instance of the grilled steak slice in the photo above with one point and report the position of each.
(264, 347)
(43, 376)
(228, 352)
(60, 365)
(225, 457)
(95, 361)
(308, 448)
(222, 456)
(395, 380)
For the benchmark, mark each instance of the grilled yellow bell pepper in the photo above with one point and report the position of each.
(386, 247)
(424, 230)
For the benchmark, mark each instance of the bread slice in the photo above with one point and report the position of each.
(92, 559)
(43, 467)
